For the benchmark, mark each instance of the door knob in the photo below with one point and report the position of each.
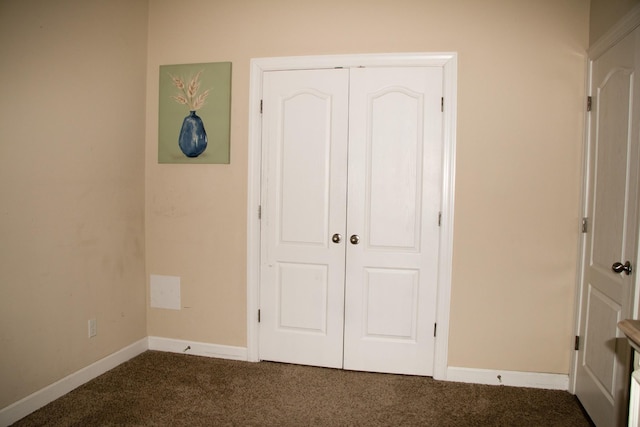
(354, 239)
(619, 267)
(336, 238)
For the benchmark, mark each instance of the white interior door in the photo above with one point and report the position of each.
(304, 203)
(604, 357)
(395, 169)
(380, 248)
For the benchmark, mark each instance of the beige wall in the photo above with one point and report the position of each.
(520, 120)
(72, 116)
(605, 13)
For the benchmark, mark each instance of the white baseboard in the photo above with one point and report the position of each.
(40, 398)
(198, 348)
(508, 378)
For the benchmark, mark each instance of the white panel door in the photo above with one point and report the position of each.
(358, 277)
(602, 375)
(304, 204)
(394, 193)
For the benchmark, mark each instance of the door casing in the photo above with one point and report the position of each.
(448, 61)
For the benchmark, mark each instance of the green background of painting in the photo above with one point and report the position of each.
(215, 114)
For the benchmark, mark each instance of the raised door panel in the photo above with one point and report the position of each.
(390, 304)
(394, 169)
(302, 298)
(303, 162)
(613, 99)
(603, 315)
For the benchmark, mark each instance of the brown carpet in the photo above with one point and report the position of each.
(165, 389)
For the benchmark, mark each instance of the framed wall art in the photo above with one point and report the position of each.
(194, 113)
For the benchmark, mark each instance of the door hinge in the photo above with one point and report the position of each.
(439, 219)
(435, 329)
(589, 103)
(258, 315)
(442, 104)
(585, 224)
(576, 345)
(261, 106)
(259, 211)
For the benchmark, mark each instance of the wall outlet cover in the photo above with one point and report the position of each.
(93, 328)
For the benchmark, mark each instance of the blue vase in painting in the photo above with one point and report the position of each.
(193, 137)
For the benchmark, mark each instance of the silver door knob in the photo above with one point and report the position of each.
(336, 238)
(619, 267)
(354, 239)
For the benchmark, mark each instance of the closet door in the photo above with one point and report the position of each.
(305, 116)
(358, 277)
(394, 194)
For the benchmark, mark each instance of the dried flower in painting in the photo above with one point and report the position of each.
(188, 94)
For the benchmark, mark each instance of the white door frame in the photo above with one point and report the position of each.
(622, 28)
(450, 67)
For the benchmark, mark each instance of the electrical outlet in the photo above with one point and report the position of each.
(93, 328)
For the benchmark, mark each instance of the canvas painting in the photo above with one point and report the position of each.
(194, 113)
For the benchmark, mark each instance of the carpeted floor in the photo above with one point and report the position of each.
(165, 389)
